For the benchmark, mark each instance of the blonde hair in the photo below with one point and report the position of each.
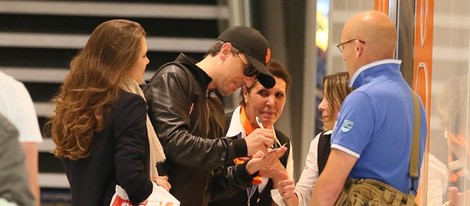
(336, 88)
(96, 77)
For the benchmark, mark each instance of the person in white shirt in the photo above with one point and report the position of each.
(259, 107)
(335, 90)
(17, 106)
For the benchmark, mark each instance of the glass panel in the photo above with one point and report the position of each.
(449, 159)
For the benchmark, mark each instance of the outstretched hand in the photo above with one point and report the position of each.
(273, 171)
(261, 159)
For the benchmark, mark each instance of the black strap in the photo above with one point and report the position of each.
(323, 150)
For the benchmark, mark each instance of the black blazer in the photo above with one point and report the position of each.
(119, 155)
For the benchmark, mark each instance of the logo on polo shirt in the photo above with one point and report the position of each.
(347, 125)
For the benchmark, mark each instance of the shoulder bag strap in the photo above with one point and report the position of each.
(414, 157)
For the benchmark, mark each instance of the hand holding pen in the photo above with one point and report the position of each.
(260, 124)
(259, 142)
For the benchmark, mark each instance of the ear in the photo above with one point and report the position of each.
(359, 50)
(245, 92)
(225, 50)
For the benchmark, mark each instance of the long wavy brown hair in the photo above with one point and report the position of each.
(337, 88)
(96, 75)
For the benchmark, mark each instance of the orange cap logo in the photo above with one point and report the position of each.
(268, 55)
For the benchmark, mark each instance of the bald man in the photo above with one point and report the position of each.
(373, 133)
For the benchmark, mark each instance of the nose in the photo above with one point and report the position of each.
(322, 105)
(270, 100)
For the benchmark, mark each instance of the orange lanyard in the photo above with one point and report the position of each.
(246, 122)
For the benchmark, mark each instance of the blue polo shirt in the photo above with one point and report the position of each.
(375, 125)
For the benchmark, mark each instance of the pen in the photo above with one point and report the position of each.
(262, 127)
(259, 122)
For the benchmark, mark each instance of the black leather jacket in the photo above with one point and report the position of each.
(189, 121)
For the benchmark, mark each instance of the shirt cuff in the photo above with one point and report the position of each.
(277, 198)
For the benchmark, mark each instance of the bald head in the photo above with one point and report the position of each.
(377, 30)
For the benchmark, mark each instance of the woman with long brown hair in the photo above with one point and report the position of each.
(100, 127)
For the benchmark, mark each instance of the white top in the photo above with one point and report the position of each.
(5, 202)
(235, 128)
(308, 178)
(17, 106)
(437, 181)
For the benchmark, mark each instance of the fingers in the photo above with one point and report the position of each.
(452, 193)
(259, 140)
(287, 195)
(163, 182)
(259, 154)
(261, 160)
(283, 175)
(278, 152)
(286, 188)
(264, 159)
(271, 158)
(286, 184)
(272, 170)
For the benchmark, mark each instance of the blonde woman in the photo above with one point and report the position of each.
(335, 90)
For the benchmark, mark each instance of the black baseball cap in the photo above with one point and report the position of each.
(253, 44)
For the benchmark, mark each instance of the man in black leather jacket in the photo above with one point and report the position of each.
(188, 115)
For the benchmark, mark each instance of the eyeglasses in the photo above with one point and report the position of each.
(249, 70)
(341, 45)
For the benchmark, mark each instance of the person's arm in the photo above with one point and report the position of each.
(30, 150)
(235, 178)
(23, 116)
(287, 193)
(284, 193)
(131, 149)
(331, 181)
(230, 180)
(276, 171)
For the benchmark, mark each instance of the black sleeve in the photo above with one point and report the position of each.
(229, 181)
(132, 150)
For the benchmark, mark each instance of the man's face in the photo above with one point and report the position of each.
(235, 74)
